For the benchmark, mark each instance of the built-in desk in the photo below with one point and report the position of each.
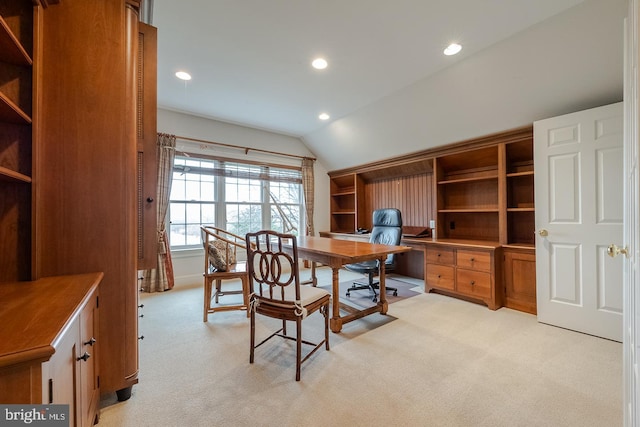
(467, 269)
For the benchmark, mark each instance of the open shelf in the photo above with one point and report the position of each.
(469, 179)
(468, 224)
(487, 210)
(9, 175)
(350, 192)
(517, 174)
(11, 113)
(11, 49)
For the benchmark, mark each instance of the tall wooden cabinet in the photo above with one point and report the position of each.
(86, 195)
(71, 125)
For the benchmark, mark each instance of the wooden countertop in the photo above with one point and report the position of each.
(422, 240)
(35, 314)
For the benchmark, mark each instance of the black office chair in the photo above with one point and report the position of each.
(387, 230)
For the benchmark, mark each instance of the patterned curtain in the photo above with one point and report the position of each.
(161, 278)
(307, 186)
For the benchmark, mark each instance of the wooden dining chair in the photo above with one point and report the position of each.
(272, 263)
(221, 264)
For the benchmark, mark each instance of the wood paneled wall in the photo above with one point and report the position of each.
(413, 195)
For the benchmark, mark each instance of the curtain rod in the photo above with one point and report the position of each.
(246, 149)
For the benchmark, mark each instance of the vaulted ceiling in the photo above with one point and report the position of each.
(250, 62)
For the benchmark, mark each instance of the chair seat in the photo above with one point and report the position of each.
(365, 267)
(234, 269)
(308, 294)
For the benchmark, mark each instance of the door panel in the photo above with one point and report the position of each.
(564, 188)
(565, 283)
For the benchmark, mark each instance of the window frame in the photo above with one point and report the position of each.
(268, 173)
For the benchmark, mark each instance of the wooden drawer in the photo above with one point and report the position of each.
(440, 255)
(440, 276)
(474, 260)
(473, 283)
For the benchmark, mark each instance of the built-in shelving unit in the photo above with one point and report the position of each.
(480, 192)
(346, 202)
(467, 192)
(520, 194)
(16, 77)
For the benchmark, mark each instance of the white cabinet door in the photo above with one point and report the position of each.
(579, 212)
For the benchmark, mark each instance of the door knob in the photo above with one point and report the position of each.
(614, 250)
(543, 232)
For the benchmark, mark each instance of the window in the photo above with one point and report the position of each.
(238, 197)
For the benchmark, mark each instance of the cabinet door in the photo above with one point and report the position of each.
(89, 367)
(147, 148)
(60, 376)
(520, 281)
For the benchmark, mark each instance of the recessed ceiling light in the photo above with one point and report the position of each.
(319, 63)
(183, 75)
(324, 116)
(452, 49)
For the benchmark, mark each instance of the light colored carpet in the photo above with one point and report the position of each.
(432, 361)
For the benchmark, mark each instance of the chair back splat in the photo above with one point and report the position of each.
(387, 230)
(274, 282)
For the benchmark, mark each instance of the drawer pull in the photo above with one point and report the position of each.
(439, 276)
(91, 342)
(438, 254)
(472, 259)
(473, 282)
(84, 357)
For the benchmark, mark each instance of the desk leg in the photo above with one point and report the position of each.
(314, 279)
(382, 301)
(336, 321)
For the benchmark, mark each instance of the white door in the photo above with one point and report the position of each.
(578, 161)
(631, 324)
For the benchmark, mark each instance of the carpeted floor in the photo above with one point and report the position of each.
(432, 361)
(364, 297)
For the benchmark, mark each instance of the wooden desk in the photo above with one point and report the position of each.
(336, 253)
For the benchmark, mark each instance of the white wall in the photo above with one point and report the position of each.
(188, 265)
(568, 63)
